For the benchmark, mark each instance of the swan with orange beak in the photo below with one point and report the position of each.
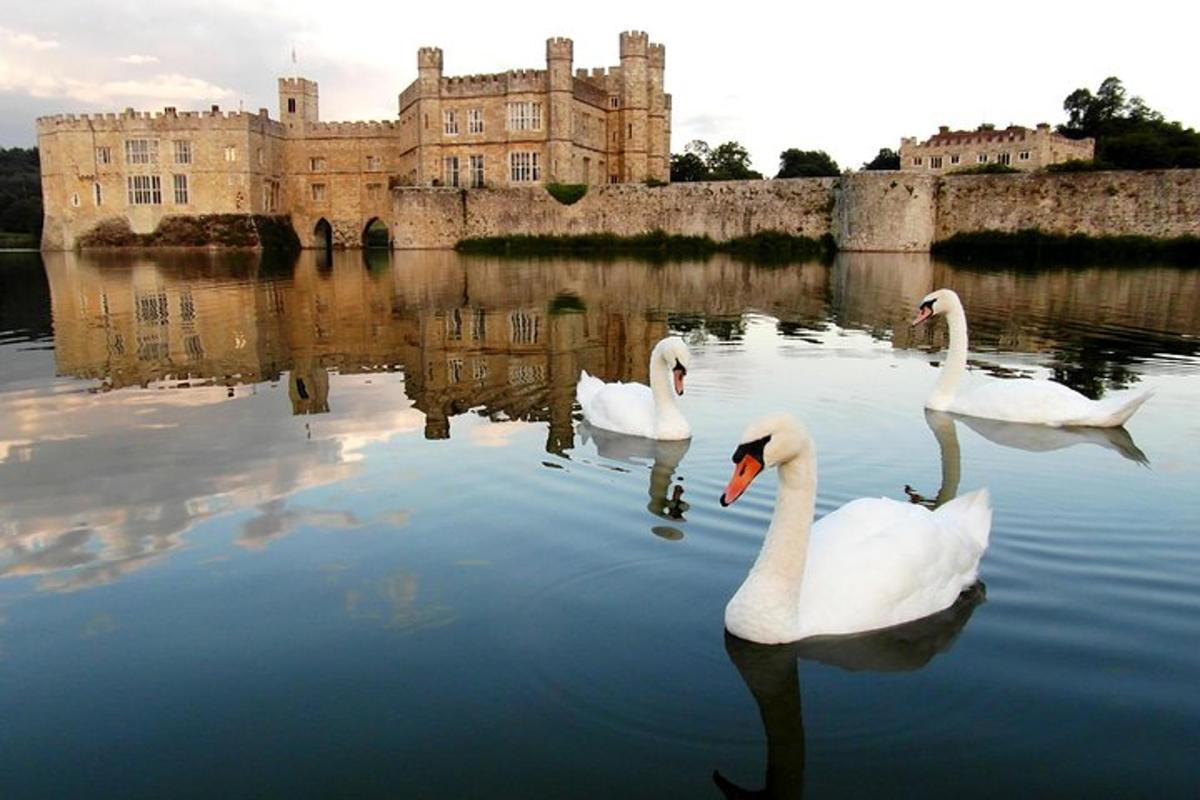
(870, 564)
(635, 409)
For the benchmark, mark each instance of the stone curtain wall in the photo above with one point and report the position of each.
(436, 218)
(1160, 203)
(865, 211)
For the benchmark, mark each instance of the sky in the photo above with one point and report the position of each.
(845, 77)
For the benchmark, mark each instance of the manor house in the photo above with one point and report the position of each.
(1015, 146)
(523, 127)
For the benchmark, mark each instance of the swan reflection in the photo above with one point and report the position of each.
(772, 675)
(666, 496)
(1018, 436)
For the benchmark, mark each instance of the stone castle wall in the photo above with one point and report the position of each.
(866, 211)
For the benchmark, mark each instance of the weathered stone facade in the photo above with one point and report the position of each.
(1015, 146)
(522, 127)
(865, 211)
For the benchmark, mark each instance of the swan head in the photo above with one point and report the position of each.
(673, 352)
(935, 304)
(766, 443)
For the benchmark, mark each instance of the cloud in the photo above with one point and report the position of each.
(138, 58)
(25, 41)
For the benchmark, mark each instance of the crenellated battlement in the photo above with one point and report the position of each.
(356, 130)
(658, 55)
(560, 48)
(429, 58)
(167, 120)
(634, 44)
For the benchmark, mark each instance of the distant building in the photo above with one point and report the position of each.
(1015, 146)
(523, 127)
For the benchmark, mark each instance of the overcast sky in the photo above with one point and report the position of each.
(844, 77)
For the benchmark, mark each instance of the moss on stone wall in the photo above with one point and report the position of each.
(768, 246)
(1032, 247)
(204, 230)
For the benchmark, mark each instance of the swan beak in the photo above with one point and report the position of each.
(746, 471)
(679, 372)
(923, 313)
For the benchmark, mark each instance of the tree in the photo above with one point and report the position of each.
(20, 191)
(794, 163)
(1128, 133)
(730, 162)
(688, 167)
(886, 159)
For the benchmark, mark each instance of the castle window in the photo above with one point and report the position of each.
(141, 151)
(144, 190)
(916, 161)
(291, 105)
(935, 162)
(614, 102)
(1004, 158)
(374, 191)
(523, 167)
(476, 164)
(525, 116)
(75, 199)
(1023, 155)
(183, 151)
(270, 196)
(318, 192)
(103, 155)
(475, 120)
(97, 195)
(983, 158)
(260, 156)
(230, 153)
(450, 171)
(630, 133)
(180, 184)
(954, 158)
(316, 164)
(374, 163)
(450, 123)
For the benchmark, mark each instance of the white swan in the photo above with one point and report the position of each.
(870, 564)
(1038, 402)
(635, 409)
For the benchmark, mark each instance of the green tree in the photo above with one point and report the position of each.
(730, 162)
(887, 158)
(1128, 133)
(688, 167)
(795, 163)
(20, 191)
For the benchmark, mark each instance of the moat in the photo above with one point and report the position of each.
(334, 528)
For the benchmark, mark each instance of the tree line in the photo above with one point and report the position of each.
(1128, 133)
(20, 191)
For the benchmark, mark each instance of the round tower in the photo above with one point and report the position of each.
(429, 114)
(635, 104)
(560, 53)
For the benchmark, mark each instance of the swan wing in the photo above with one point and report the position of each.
(874, 563)
(1041, 402)
(622, 407)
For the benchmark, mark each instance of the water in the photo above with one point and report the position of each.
(334, 529)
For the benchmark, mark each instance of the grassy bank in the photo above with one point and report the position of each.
(767, 247)
(15, 240)
(1035, 248)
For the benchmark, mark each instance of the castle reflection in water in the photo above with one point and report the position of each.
(505, 339)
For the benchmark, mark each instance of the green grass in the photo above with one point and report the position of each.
(993, 168)
(18, 240)
(1032, 247)
(768, 247)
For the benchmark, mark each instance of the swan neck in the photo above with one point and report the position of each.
(956, 360)
(785, 549)
(660, 382)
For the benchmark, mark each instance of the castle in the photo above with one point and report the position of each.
(523, 127)
(1018, 147)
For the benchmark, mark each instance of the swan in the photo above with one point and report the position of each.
(635, 409)
(870, 564)
(1039, 402)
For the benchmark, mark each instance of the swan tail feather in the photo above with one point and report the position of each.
(973, 514)
(587, 388)
(1119, 409)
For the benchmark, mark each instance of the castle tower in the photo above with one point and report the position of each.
(659, 135)
(560, 54)
(298, 102)
(635, 104)
(429, 113)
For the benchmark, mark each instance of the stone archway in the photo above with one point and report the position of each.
(376, 234)
(323, 234)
